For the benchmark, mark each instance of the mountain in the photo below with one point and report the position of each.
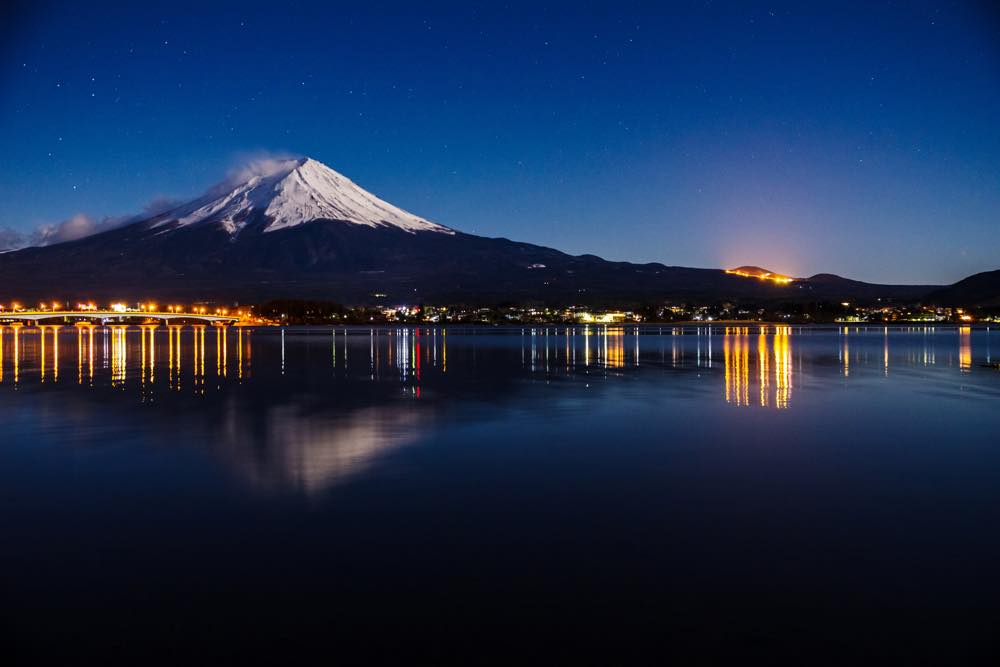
(292, 193)
(981, 289)
(830, 283)
(298, 229)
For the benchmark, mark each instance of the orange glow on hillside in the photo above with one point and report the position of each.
(761, 274)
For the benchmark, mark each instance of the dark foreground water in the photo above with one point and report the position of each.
(605, 495)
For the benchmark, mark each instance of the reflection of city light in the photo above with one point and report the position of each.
(736, 359)
(736, 355)
(845, 354)
(43, 357)
(55, 352)
(614, 347)
(119, 355)
(762, 367)
(17, 351)
(782, 367)
(965, 348)
(79, 355)
(42, 360)
(885, 350)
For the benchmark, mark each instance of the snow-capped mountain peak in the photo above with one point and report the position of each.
(290, 193)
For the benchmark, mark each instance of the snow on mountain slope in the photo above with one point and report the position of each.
(291, 193)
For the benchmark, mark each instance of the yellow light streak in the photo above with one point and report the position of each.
(782, 367)
(965, 349)
(17, 351)
(763, 275)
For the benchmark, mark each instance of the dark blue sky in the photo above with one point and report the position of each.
(854, 138)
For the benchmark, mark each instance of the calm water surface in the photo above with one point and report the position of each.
(607, 494)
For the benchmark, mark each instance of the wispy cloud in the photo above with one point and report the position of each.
(79, 226)
(11, 239)
(257, 164)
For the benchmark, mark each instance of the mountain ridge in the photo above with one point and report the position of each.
(979, 289)
(298, 229)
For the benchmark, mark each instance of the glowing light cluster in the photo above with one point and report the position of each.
(761, 274)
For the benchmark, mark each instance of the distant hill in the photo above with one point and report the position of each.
(981, 289)
(829, 283)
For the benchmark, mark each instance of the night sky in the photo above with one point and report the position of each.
(855, 138)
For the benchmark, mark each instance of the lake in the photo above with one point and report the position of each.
(582, 494)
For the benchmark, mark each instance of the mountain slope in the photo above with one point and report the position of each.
(832, 284)
(981, 289)
(299, 229)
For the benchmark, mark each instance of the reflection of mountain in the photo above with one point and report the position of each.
(290, 444)
(315, 409)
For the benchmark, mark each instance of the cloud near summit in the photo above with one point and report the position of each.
(81, 225)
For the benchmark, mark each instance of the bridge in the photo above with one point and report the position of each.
(37, 316)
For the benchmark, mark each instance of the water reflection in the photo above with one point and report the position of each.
(773, 372)
(304, 447)
(757, 368)
(845, 352)
(965, 348)
(326, 403)
(85, 352)
(119, 356)
(608, 347)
